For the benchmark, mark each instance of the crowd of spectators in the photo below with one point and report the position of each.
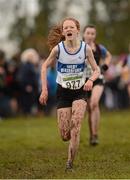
(20, 84)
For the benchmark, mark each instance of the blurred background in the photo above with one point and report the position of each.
(23, 47)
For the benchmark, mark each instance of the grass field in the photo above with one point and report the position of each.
(31, 148)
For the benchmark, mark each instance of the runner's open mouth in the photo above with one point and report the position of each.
(69, 34)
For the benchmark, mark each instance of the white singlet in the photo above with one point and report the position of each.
(71, 69)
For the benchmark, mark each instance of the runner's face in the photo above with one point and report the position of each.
(89, 35)
(70, 30)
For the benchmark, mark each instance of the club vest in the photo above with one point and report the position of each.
(71, 68)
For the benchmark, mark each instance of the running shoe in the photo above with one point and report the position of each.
(94, 140)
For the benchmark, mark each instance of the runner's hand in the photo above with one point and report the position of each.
(43, 97)
(88, 85)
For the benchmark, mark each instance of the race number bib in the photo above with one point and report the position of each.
(73, 82)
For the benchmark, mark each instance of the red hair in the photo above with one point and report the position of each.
(55, 35)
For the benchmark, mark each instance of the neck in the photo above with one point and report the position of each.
(72, 44)
(91, 43)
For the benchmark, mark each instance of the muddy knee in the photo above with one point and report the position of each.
(65, 136)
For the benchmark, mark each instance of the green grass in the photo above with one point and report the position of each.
(31, 148)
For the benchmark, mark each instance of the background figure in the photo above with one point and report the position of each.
(103, 58)
(8, 102)
(28, 81)
(127, 72)
(111, 91)
(123, 85)
(12, 87)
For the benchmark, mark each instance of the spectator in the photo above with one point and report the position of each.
(28, 80)
(8, 106)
